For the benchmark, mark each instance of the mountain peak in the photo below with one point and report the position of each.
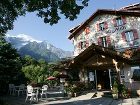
(20, 40)
(37, 49)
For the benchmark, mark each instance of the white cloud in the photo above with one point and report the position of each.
(24, 37)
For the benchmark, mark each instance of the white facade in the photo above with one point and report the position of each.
(119, 32)
(112, 31)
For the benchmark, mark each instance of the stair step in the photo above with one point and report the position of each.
(107, 94)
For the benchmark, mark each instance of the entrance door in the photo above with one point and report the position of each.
(103, 79)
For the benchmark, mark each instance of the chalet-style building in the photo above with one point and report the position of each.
(106, 46)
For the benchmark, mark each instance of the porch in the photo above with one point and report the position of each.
(100, 66)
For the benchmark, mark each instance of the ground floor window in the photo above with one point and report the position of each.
(136, 75)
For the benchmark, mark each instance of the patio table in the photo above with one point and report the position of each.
(36, 90)
(20, 89)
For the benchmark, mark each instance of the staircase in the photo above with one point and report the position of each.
(104, 94)
(92, 94)
(84, 96)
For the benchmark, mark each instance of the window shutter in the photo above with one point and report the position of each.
(87, 30)
(105, 25)
(114, 22)
(108, 40)
(135, 33)
(97, 27)
(99, 41)
(123, 36)
(87, 43)
(123, 19)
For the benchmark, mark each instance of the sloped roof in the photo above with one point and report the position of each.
(135, 6)
(99, 12)
(74, 28)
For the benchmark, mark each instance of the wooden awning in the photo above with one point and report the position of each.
(96, 55)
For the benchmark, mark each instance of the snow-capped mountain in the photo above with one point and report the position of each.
(20, 40)
(27, 45)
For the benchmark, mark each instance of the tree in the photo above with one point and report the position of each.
(49, 10)
(28, 60)
(35, 72)
(10, 63)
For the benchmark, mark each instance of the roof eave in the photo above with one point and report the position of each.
(102, 11)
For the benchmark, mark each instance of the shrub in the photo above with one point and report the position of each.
(115, 87)
(123, 91)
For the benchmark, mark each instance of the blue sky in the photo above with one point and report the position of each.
(58, 34)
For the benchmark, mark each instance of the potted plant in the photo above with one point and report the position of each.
(123, 91)
(115, 90)
(69, 91)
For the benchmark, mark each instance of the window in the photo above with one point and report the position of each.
(102, 26)
(82, 37)
(87, 30)
(119, 21)
(136, 75)
(130, 35)
(122, 74)
(104, 41)
(81, 45)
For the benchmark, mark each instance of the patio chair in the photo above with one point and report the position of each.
(61, 88)
(20, 89)
(44, 91)
(11, 90)
(31, 94)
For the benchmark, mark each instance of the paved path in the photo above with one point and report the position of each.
(81, 100)
(95, 101)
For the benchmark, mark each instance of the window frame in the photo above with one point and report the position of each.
(102, 26)
(136, 74)
(119, 21)
(129, 35)
(82, 45)
(104, 41)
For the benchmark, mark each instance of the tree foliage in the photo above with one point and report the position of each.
(10, 63)
(35, 71)
(49, 10)
(28, 60)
